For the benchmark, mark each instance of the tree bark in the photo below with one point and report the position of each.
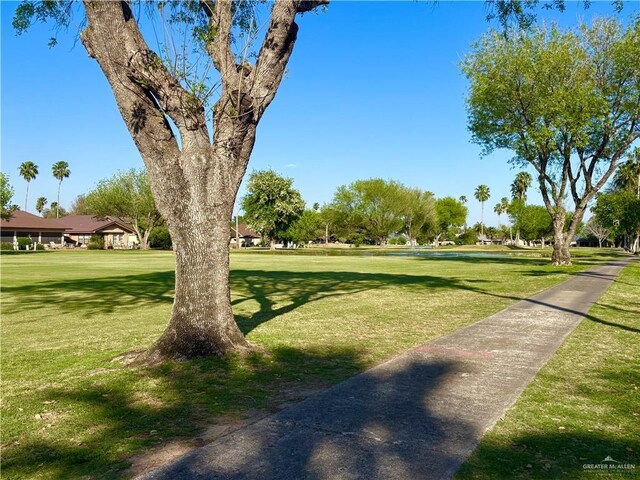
(436, 241)
(560, 255)
(202, 322)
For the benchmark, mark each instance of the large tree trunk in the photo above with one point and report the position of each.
(436, 241)
(560, 255)
(202, 322)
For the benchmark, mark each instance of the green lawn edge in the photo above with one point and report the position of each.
(581, 408)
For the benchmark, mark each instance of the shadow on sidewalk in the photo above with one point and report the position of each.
(382, 424)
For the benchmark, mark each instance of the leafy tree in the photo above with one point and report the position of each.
(521, 13)
(79, 206)
(338, 219)
(468, 237)
(6, 194)
(482, 194)
(451, 214)
(533, 222)
(627, 179)
(41, 202)
(29, 171)
(60, 172)
(306, 228)
(418, 211)
(127, 195)
(271, 204)
(368, 209)
(619, 212)
(194, 130)
(565, 103)
(54, 211)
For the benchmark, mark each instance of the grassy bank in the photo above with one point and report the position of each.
(583, 405)
(70, 411)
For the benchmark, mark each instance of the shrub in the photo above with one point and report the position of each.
(401, 240)
(6, 246)
(39, 246)
(96, 242)
(160, 238)
(24, 242)
(356, 239)
(467, 238)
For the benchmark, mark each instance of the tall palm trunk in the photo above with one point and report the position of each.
(58, 199)
(26, 198)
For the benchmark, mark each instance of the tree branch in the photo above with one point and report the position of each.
(276, 50)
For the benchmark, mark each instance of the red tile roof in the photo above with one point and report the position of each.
(25, 221)
(90, 224)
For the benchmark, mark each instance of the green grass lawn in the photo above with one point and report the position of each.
(582, 407)
(69, 411)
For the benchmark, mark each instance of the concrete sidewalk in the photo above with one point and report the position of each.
(418, 416)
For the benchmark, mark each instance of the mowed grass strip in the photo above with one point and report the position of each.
(68, 411)
(582, 407)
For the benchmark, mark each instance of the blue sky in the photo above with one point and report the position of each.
(373, 90)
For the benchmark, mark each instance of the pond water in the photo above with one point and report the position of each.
(422, 253)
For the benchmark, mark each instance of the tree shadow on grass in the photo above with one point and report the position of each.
(550, 455)
(276, 292)
(280, 292)
(118, 413)
(101, 295)
(119, 421)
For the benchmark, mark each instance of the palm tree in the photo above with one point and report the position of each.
(520, 186)
(463, 199)
(505, 205)
(499, 210)
(40, 204)
(60, 172)
(28, 170)
(482, 194)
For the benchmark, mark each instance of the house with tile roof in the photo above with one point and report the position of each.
(71, 230)
(47, 231)
(115, 232)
